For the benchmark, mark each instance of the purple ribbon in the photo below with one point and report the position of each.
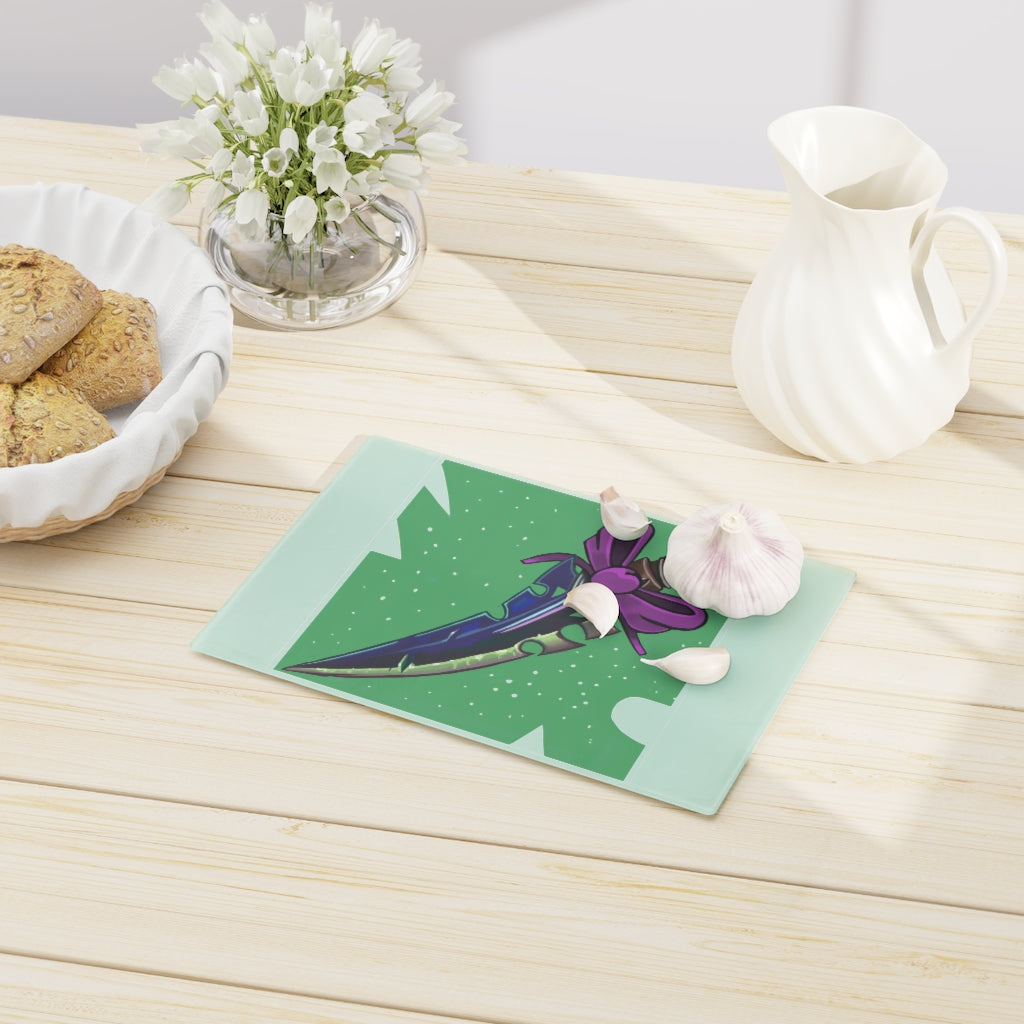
(641, 609)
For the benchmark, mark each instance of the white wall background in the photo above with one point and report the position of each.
(678, 89)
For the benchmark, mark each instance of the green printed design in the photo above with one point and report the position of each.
(454, 565)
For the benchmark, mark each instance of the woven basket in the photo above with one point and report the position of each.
(58, 524)
(118, 246)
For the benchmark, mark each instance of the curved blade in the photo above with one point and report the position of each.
(532, 623)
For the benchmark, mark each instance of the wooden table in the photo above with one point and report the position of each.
(184, 840)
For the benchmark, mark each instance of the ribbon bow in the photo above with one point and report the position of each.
(643, 605)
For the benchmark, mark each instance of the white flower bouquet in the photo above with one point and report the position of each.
(305, 132)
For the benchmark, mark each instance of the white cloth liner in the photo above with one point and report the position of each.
(117, 245)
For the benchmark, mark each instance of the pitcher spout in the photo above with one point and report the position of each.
(857, 159)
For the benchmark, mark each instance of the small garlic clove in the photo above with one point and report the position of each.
(697, 665)
(622, 517)
(596, 603)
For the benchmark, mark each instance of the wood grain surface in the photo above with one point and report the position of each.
(185, 840)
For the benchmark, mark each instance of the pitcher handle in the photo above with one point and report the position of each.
(995, 250)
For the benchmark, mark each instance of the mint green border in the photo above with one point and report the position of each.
(355, 514)
(699, 745)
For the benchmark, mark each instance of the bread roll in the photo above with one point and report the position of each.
(115, 358)
(44, 302)
(42, 420)
(6, 422)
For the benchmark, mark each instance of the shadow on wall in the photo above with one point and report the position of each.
(637, 87)
(677, 91)
(101, 57)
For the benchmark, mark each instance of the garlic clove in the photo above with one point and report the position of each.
(596, 603)
(622, 517)
(736, 559)
(697, 665)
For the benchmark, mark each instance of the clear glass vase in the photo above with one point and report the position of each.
(356, 269)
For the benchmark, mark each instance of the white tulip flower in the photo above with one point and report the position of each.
(207, 84)
(188, 79)
(167, 200)
(319, 24)
(312, 82)
(215, 195)
(249, 112)
(299, 218)
(285, 68)
(242, 169)
(289, 141)
(187, 137)
(258, 37)
(275, 161)
(337, 209)
(366, 182)
(365, 131)
(176, 82)
(221, 23)
(404, 74)
(252, 206)
(165, 138)
(227, 59)
(405, 170)
(372, 46)
(321, 137)
(361, 137)
(442, 124)
(207, 137)
(440, 148)
(323, 35)
(369, 107)
(330, 171)
(220, 162)
(428, 106)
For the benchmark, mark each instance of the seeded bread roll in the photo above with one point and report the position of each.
(44, 302)
(115, 358)
(6, 422)
(42, 420)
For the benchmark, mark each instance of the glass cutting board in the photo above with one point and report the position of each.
(433, 590)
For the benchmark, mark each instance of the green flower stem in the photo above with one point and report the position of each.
(373, 234)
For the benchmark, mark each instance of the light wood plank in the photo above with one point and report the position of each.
(629, 425)
(617, 321)
(595, 220)
(103, 157)
(316, 387)
(53, 992)
(488, 312)
(471, 930)
(862, 768)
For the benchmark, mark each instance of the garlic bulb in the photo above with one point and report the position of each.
(621, 517)
(596, 603)
(698, 665)
(736, 559)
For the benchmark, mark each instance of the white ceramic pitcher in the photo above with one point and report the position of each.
(851, 344)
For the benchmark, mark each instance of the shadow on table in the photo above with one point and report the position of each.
(659, 335)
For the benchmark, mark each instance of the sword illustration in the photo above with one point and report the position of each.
(534, 620)
(532, 623)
